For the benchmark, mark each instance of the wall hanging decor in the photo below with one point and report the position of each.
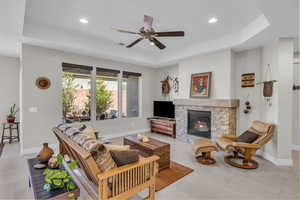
(296, 87)
(248, 80)
(165, 86)
(200, 85)
(43, 83)
(268, 86)
(247, 107)
(176, 85)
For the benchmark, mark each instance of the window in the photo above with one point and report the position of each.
(93, 93)
(76, 92)
(107, 97)
(130, 94)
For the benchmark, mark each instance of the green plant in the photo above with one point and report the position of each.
(13, 111)
(68, 93)
(103, 97)
(58, 178)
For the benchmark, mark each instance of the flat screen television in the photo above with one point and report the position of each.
(164, 109)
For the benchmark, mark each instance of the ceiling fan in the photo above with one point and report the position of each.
(147, 32)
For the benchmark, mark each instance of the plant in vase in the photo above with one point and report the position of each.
(11, 117)
(60, 179)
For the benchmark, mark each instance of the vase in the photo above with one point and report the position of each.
(11, 120)
(45, 154)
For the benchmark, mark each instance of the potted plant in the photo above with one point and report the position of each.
(11, 117)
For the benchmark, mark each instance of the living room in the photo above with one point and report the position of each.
(237, 62)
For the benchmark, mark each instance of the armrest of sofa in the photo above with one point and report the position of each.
(229, 136)
(118, 170)
(128, 179)
(246, 145)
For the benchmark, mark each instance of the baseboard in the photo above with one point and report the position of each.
(296, 147)
(55, 147)
(277, 161)
(36, 150)
(115, 135)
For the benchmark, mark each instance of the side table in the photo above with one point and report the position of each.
(10, 127)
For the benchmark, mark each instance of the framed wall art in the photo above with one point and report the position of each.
(200, 85)
(248, 80)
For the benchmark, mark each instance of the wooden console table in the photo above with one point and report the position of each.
(163, 125)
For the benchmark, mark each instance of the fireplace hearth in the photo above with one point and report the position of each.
(223, 116)
(199, 123)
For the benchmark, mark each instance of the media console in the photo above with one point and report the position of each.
(163, 125)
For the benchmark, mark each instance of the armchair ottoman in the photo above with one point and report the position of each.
(203, 148)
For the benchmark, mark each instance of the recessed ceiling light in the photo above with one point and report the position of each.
(152, 43)
(213, 20)
(83, 21)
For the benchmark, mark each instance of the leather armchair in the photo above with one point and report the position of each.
(241, 153)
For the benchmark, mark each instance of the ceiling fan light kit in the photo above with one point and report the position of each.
(147, 32)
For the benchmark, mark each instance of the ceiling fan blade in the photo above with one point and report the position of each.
(157, 43)
(134, 43)
(169, 34)
(124, 31)
(148, 20)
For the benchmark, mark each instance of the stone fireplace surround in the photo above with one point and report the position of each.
(223, 116)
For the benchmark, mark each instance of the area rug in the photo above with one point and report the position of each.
(1, 148)
(171, 175)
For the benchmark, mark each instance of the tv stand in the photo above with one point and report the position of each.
(163, 125)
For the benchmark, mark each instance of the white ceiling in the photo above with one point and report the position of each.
(55, 24)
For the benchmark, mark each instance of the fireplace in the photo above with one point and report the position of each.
(199, 123)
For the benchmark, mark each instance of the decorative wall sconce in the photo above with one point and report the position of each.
(247, 107)
(268, 87)
(296, 87)
(43, 83)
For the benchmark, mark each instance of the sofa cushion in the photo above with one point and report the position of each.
(125, 157)
(247, 137)
(103, 159)
(111, 147)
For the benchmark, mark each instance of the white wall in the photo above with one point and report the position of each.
(296, 104)
(248, 61)
(161, 74)
(36, 126)
(279, 54)
(9, 85)
(219, 63)
(285, 97)
(270, 113)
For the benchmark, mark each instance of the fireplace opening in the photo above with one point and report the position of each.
(199, 123)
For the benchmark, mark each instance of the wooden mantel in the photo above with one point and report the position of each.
(224, 103)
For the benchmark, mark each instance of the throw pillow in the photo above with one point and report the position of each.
(81, 139)
(103, 159)
(91, 145)
(247, 137)
(89, 131)
(125, 157)
(71, 132)
(111, 147)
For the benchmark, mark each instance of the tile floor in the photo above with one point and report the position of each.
(219, 181)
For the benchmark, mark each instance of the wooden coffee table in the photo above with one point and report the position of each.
(153, 147)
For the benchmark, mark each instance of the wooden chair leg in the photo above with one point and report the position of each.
(2, 138)
(10, 134)
(152, 192)
(18, 132)
(247, 162)
(206, 159)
